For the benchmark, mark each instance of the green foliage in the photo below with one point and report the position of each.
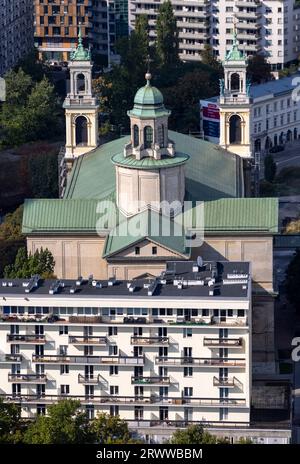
(10, 423)
(259, 70)
(192, 435)
(41, 263)
(108, 429)
(65, 424)
(292, 281)
(207, 57)
(11, 228)
(32, 66)
(270, 168)
(31, 111)
(43, 175)
(167, 45)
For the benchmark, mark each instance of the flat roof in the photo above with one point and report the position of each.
(180, 280)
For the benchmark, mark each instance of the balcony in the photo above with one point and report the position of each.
(151, 380)
(229, 382)
(100, 360)
(153, 341)
(89, 379)
(223, 342)
(124, 400)
(10, 358)
(207, 362)
(89, 340)
(27, 378)
(27, 338)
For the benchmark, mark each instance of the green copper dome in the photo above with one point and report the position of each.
(80, 53)
(234, 53)
(148, 102)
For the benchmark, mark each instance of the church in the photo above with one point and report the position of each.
(150, 177)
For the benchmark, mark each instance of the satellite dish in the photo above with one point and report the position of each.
(199, 261)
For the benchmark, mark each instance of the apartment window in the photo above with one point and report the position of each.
(112, 331)
(114, 390)
(65, 389)
(187, 372)
(137, 331)
(188, 391)
(223, 414)
(39, 350)
(63, 350)
(64, 369)
(229, 313)
(241, 313)
(137, 351)
(15, 369)
(113, 370)
(89, 391)
(63, 330)
(14, 329)
(162, 351)
(205, 312)
(137, 250)
(90, 411)
(187, 332)
(114, 410)
(138, 413)
(163, 392)
(41, 410)
(88, 350)
(113, 350)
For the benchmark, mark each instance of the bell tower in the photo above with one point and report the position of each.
(234, 103)
(81, 108)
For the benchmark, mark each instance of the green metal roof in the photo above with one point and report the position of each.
(148, 95)
(234, 53)
(211, 172)
(238, 215)
(149, 162)
(145, 225)
(80, 53)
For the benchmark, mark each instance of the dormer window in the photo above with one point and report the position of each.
(137, 250)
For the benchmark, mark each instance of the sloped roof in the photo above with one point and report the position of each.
(211, 172)
(235, 215)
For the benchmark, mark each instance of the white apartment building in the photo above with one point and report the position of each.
(269, 27)
(160, 353)
(16, 32)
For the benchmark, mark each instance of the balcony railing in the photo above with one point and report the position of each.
(102, 360)
(149, 340)
(170, 361)
(87, 340)
(26, 338)
(227, 382)
(11, 358)
(149, 400)
(227, 342)
(27, 378)
(151, 380)
(89, 379)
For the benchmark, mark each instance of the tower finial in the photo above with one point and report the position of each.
(148, 73)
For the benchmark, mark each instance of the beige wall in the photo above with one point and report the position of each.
(75, 255)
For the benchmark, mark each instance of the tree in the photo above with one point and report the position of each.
(259, 70)
(65, 424)
(167, 45)
(207, 57)
(293, 227)
(270, 168)
(11, 228)
(41, 263)
(10, 423)
(192, 435)
(292, 281)
(108, 429)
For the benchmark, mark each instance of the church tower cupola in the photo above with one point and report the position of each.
(149, 125)
(234, 103)
(81, 108)
(149, 171)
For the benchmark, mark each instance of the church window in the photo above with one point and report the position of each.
(81, 131)
(235, 82)
(135, 136)
(235, 135)
(161, 135)
(148, 136)
(80, 83)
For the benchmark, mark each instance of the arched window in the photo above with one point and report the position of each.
(136, 138)
(275, 140)
(148, 136)
(80, 83)
(161, 135)
(289, 135)
(81, 131)
(235, 82)
(235, 131)
(295, 133)
(257, 146)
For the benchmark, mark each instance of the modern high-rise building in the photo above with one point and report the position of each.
(57, 23)
(16, 32)
(269, 27)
